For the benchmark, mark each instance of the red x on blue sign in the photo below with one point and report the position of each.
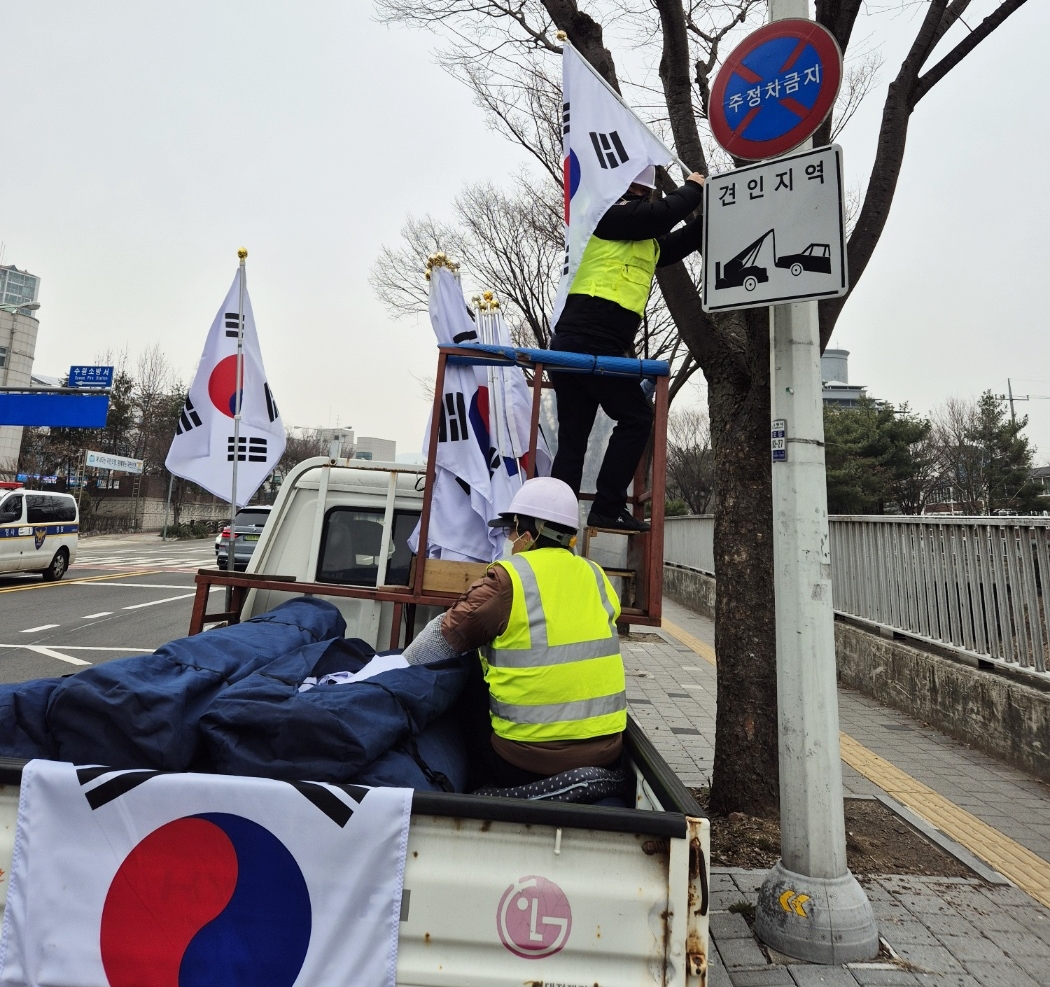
(775, 89)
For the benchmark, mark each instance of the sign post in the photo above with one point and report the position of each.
(810, 906)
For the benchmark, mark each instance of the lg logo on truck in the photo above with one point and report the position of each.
(534, 918)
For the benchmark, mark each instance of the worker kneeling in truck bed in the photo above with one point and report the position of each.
(544, 623)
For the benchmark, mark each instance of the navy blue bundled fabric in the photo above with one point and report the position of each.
(264, 726)
(23, 719)
(143, 712)
(438, 762)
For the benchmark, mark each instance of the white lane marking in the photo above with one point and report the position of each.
(42, 627)
(51, 653)
(153, 603)
(84, 647)
(142, 585)
(92, 616)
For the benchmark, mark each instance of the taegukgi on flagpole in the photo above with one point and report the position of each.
(229, 434)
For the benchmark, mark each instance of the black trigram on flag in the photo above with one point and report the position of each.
(251, 450)
(453, 425)
(565, 266)
(271, 405)
(610, 149)
(188, 418)
(232, 324)
(337, 802)
(564, 118)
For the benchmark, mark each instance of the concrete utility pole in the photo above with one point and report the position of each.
(810, 906)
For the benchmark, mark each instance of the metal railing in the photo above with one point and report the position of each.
(689, 541)
(975, 584)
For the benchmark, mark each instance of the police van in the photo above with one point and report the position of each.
(39, 531)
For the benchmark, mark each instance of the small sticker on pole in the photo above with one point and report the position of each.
(778, 440)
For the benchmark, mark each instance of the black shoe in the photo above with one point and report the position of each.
(624, 521)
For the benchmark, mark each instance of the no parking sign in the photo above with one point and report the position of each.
(777, 86)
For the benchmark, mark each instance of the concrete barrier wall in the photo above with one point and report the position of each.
(692, 589)
(991, 711)
(982, 707)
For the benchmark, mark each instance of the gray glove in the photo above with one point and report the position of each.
(429, 646)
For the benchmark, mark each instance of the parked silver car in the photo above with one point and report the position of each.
(248, 524)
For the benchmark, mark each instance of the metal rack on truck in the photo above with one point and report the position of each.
(437, 583)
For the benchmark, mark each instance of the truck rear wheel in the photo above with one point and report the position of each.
(750, 283)
(58, 566)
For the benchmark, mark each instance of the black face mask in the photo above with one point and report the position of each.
(630, 196)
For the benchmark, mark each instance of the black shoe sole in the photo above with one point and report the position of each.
(611, 524)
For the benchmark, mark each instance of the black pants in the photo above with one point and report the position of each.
(579, 398)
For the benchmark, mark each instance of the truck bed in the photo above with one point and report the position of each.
(625, 890)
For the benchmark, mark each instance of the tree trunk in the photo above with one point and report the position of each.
(746, 769)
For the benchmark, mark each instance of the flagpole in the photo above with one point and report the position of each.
(564, 38)
(242, 254)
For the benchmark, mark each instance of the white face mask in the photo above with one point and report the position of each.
(508, 547)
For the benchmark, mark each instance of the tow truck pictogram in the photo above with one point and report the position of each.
(743, 271)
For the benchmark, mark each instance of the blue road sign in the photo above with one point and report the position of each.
(64, 410)
(90, 376)
(777, 86)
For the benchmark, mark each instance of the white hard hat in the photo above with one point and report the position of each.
(647, 177)
(543, 498)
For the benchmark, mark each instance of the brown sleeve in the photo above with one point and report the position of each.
(481, 614)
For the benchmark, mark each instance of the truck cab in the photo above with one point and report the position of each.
(344, 523)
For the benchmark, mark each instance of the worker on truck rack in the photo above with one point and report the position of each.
(602, 313)
(544, 623)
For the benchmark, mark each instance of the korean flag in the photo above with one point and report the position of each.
(605, 148)
(204, 447)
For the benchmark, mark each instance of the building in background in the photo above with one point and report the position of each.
(343, 444)
(18, 331)
(834, 369)
(381, 450)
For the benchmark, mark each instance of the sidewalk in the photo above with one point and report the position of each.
(942, 932)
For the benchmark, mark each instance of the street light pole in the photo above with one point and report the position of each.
(810, 906)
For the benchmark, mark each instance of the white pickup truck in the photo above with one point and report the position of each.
(497, 892)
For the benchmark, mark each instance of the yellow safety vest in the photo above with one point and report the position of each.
(556, 673)
(620, 271)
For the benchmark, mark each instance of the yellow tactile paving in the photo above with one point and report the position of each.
(1017, 863)
(1028, 871)
(702, 648)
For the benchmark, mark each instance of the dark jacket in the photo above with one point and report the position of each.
(597, 325)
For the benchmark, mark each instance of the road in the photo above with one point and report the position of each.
(124, 595)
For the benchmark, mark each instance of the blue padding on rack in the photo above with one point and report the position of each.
(56, 410)
(580, 363)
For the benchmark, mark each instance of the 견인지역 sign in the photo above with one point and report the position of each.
(775, 89)
(774, 232)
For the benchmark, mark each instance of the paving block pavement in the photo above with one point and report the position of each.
(937, 932)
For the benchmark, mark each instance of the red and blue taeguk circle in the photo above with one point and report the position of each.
(570, 179)
(203, 900)
(222, 386)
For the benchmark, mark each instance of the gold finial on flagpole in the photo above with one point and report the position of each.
(242, 253)
(440, 259)
(562, 36)
(485, 302)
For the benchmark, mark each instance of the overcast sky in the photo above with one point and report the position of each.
(143, 143)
